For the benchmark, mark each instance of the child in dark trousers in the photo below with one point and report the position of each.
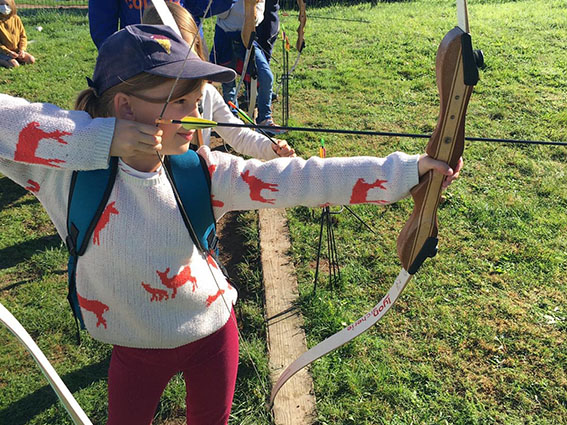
(229, 50)
(144, 243)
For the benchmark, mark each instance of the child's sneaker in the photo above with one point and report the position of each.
(272, 131)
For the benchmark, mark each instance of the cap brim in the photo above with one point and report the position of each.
(194, 68)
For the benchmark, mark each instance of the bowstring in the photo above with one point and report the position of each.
(184, 213)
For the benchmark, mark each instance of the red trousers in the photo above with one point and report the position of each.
(137, 378)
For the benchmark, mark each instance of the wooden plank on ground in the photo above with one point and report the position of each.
(295, 403)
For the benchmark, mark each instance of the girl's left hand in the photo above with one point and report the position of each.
(283, 149)
(426, 163)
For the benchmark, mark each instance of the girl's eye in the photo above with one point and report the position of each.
(180, 101)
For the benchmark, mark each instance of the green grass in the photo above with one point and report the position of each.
(479, 335)
(52, 3)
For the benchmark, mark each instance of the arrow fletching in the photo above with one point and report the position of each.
(191, 123)
(241, 113)
(322, 150)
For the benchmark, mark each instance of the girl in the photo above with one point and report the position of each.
(243, 140)
(143, 244)
(13, 40)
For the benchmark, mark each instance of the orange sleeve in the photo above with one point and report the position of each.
(23, 43)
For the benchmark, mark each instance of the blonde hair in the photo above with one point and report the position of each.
(103, 106)
(12, 5)
(185, 22)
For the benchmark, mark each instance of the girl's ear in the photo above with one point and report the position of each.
(122, 107)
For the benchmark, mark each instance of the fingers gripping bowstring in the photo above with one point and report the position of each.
(163, 11)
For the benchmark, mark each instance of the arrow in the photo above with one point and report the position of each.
(191, 123)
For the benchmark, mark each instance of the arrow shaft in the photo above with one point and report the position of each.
(386, 134)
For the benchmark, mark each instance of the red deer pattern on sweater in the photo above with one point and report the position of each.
(214, 202)
(256, 186)
(212, 298)
(360, 191)
(95, 307)
(178, 280)
(103, 221)
(33, 186)
(28, 143)
(157, 294)
(212, 261)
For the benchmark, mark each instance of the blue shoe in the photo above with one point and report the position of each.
(272, 131)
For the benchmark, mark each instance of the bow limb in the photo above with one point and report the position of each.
(165, 15)
(77, 414)
(300, 43)
(249, 21)
(457, 73)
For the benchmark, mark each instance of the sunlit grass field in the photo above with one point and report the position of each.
(478, 337)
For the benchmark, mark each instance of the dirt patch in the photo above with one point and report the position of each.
(230, 242)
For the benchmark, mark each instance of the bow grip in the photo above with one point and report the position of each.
(456, 75)
(418, 239)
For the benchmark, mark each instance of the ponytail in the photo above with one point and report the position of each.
(88, 101)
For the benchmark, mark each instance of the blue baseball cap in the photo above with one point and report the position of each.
(154, 49)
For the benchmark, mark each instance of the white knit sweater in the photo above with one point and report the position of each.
(142, 282)
(233, 19)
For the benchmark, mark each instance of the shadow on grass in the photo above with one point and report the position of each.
(22, 411)
(31, 12)
(20, 253)
(10, 192)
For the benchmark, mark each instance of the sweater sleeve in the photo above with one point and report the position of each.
(5, 50)
(103, 19)
(23, 42)
(238, 184)
(41, 135)
(243, 140)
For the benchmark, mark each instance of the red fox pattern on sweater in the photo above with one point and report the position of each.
(28, 143)
(157, 294)
(33, 186)
(95, 307)
(212, 298)
(103, 221)
(212, 261)
(216, 203)
(256, 186)
(360, 191)
(178, 280)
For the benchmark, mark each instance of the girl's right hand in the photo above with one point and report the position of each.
(131, 137)
(282, 149)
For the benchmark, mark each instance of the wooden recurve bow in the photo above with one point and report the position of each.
(457, 73)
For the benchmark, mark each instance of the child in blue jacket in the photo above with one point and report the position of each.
(107, 16)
